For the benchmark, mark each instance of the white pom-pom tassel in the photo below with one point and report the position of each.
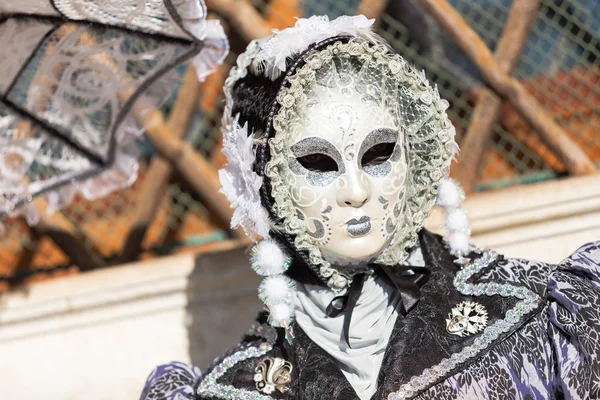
(268, 259)
(275, 290)
(449, 195)
(459, 242)
(457, 220)
(280, 315)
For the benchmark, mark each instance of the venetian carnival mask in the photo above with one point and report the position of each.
(358, 146)
(346, 166)
(357, 141)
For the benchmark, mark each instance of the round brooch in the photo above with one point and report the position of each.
(466, 318)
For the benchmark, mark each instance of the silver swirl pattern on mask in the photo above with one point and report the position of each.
(385, 78)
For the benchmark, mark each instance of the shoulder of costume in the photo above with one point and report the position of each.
(491, 266)
(230, 376)
(537, 275)
(574, 287)
(574, 317)
(172, 381)
(499, 296)
(531, 274)
(234, 374)
(586, 260)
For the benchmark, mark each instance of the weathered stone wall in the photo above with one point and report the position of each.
(98, 335)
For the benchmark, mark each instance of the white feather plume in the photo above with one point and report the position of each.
(240, 184)
(285, 43)
(281, 315)
(275, 290)
(268, 259)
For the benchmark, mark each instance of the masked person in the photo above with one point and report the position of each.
(337, 151)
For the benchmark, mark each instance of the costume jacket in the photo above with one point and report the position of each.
(542, 340)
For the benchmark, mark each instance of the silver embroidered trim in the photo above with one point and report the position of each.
(210, 387)
(529, 301)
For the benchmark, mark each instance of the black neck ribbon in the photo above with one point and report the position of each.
(406, 279)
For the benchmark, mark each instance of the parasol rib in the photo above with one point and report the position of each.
(56, 226)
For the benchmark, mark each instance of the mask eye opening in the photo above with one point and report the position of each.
(377, 154)
(318, 162)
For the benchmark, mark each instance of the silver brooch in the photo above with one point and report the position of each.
(466, 318)
(272, 374)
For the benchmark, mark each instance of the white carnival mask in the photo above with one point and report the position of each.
(354, 148)
(357, 140)
(360, 142)
(347, 171)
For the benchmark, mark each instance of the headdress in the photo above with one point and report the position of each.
(272, 74)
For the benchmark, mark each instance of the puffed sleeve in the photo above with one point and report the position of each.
(574, 323)
(174, 381)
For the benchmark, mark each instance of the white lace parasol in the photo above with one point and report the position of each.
(77, 78)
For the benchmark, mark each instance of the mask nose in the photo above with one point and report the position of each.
(356, 191)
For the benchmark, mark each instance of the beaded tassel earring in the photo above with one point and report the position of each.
(276, 289)
(450, 198)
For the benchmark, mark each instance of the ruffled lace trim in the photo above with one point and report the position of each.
(430, 140)
(35, 162)
(251, 216)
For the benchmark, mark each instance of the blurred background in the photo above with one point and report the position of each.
(97, 294)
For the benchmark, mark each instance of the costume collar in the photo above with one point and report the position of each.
(420, 352)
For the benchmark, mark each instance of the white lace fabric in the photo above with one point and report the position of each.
(145, 15)
(40, 7)
(77, 82)
(421, 114)
(176, 18)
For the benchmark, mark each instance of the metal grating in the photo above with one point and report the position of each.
(560, 66)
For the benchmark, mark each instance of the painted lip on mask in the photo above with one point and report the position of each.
(358, 227)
